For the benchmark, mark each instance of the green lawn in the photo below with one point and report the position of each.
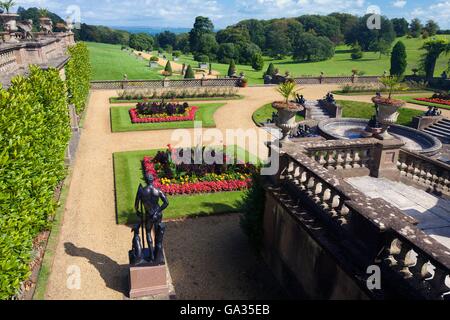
(354, 109)
(411, 99)
(128, 175)
(111, 63)
(121, 122)
(265, 112)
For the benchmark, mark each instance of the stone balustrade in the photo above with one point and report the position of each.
(431, 175)
(8, 62)
(343, 154)
(375, 231)
(44, 51)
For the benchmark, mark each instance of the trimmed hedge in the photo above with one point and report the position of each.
(78, 74)
(34, 134)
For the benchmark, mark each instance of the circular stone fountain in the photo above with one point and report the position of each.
(352, 128)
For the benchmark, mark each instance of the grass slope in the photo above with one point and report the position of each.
(356, 109)
(121, 122)
(111, 63)
(128, 175)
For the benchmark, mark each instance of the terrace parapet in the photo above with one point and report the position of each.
(371, 231)
(43, 50)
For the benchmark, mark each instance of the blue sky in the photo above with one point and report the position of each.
(181, 13)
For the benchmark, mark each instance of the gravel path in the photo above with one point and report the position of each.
(92, 242)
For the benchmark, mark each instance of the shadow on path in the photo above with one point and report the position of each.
(114, 274)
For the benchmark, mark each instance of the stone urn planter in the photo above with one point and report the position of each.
(286, 117)
(9, 21)
(387, 114)
(46, 25)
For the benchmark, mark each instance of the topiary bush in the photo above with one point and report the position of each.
(168, 69)
(78, 75)
(253, 203)
(231, 69)
(35, 131)
(189, 73)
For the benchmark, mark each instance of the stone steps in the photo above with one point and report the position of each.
(440, 130)
(317, 113)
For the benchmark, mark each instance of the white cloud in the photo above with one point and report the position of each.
(399, 3)
(438, 11)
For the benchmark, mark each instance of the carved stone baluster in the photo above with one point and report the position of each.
(348, 159)
(393, 250)
(339, 160)
(310, 186)
(322, 160)
(421, 268)
(318, 192)
(331, 160)
(406, 260)
(356, 159)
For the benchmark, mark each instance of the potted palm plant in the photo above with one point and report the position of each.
(8, 19)
(286, 110)
(387, 107)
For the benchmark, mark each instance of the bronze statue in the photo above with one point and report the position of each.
(150, 212)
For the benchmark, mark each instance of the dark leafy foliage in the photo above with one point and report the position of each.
(35, 130)
(146, 108)
(78, 74)
(253, 210)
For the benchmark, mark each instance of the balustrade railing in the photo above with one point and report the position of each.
(401, 248)
(8, 62)
(343, 155)
(429, 173)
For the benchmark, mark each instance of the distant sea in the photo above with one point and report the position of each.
(151, 30)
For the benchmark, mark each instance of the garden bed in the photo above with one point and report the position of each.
(121, 121)
(154, 112)
(434, 100)
(117, 100)
(128, 174)
(174, 176)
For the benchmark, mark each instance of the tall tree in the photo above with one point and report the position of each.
(166, 38)
(370, 37)
(415, 28)
(231, 69)
(398, 59)
(141, 41)
(401, 26)
(308, 47)
(434, 48)
(202, 26)
(431, 27)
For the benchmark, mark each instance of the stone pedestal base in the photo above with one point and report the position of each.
(148, 280)
(385, 159)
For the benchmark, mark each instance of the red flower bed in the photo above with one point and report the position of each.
(189, 116)
(194, 187)
(434, 100)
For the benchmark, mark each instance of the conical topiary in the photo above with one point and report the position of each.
(168, 69)
(189, 73)
(232, 68)
(270, 70)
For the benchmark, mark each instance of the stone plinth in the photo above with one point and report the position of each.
(385, 159)
(148, 280)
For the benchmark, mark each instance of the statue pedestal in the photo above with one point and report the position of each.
(148, 280)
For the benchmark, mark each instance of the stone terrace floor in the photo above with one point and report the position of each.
(432, 212)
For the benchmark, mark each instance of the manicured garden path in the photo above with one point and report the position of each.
(89, 238)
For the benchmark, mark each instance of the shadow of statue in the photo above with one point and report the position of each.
(114, 274)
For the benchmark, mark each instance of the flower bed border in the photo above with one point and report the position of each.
(434, 100)
(197, 187)
(134, 115)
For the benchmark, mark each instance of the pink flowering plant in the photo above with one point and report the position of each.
(174, 175)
